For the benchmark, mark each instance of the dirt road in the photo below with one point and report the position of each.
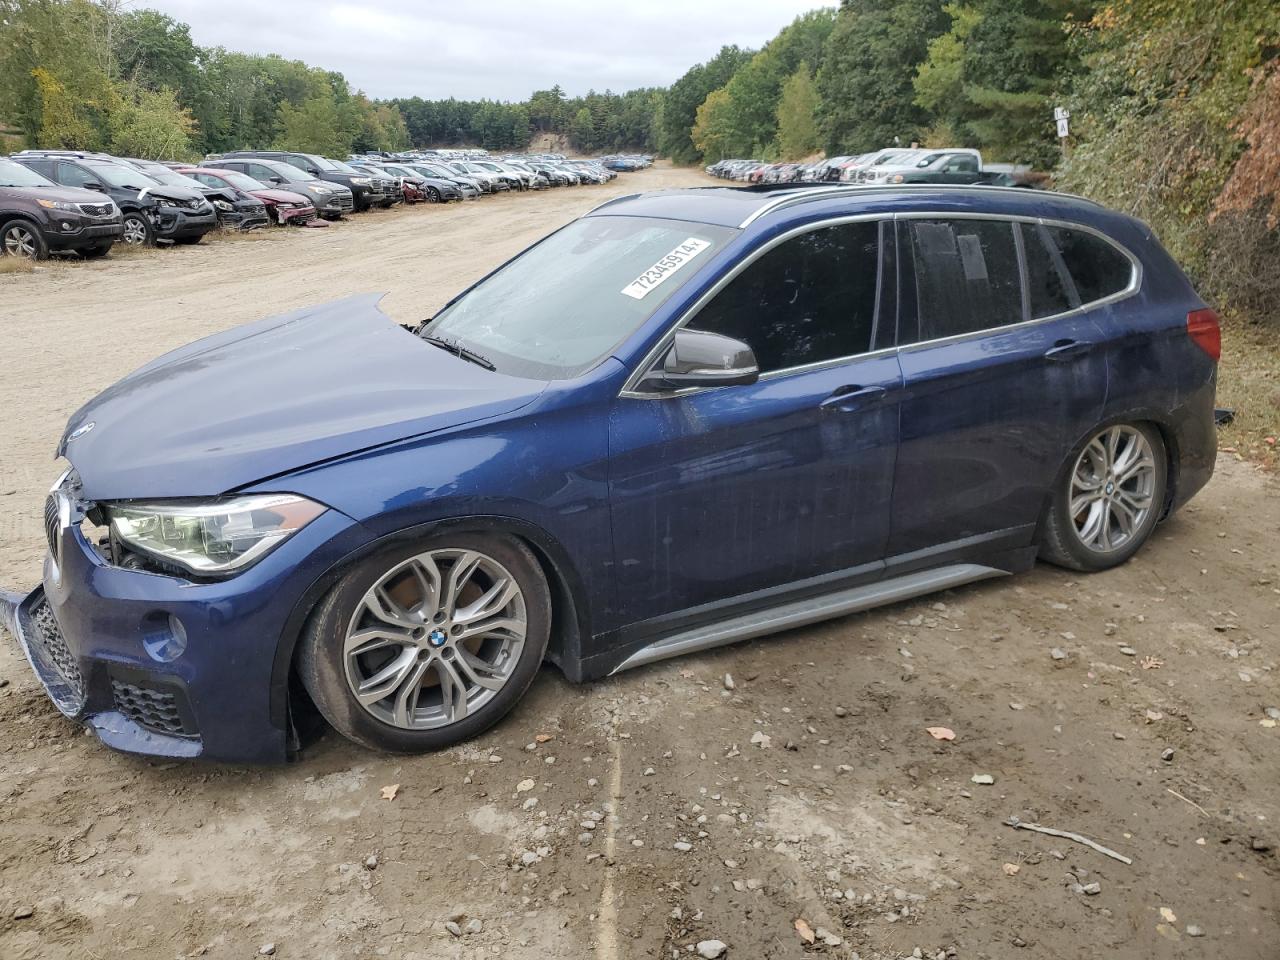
(665, 809)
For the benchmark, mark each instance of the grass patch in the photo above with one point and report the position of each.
(1249, 382)
(16, 265)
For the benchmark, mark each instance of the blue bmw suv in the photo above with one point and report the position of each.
(685, 419)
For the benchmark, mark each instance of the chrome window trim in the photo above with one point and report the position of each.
(629, 389)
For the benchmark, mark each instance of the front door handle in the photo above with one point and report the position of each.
(852, 397)
(1068, 349)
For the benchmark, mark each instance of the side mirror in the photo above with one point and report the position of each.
(95, 185)
(697, 358)
(275, 180)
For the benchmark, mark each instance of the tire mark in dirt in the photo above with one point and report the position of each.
(607, 915)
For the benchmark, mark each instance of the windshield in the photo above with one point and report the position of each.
(120, 176)
(174, 179)
(16, 175)
(341, 167)
(564, 304)
(287, 171)
(322, 163)
(241, 180)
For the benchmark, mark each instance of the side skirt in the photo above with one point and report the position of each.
(799, 613)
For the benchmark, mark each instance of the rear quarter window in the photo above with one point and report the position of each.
(1098, 269)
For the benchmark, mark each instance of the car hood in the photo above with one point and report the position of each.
(66, 194)
(169, 192)
(274, 396)
(281, 196)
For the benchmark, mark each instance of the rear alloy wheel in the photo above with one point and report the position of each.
(1109, 501)
(421, 647)
(21, 239)
(137, 231)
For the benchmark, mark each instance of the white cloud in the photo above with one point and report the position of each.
(499, 49)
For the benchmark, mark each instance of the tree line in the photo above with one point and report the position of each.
(1175, 104)
(1174, 108)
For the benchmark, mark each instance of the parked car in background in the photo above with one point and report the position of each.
(433, 189)
(723, 414)
(365, 191)
(331, 200)
(469, 187)
(282, 206)
(391, 188)
(38, 217)
(931, 166)
(150, 210)
(235, 210)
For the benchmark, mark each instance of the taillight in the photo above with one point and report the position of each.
(1202, 328)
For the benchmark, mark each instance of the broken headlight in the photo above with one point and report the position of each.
(211, 536)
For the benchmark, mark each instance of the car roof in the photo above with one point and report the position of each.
(742, 206)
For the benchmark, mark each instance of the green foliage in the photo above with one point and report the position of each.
(712, 128)
(313, 126)
(751, 110)
(992, 76)
(798, 134)
(680, 105)
(865, 82)
(151, 124)
(1156, 109)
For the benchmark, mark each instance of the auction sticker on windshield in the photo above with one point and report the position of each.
(660, 272)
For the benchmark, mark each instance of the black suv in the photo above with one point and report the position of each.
(38, 216)
(366, 191)
(151, 210)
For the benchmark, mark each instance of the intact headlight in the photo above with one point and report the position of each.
(58, 205)
(211, 536)
(363, 181)
(223, 205)
(322, 191)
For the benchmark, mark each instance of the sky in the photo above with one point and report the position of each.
(495, 49)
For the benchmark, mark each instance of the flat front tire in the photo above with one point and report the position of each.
(1107, 499)
(424, 645)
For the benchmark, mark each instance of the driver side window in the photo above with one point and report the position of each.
(70, 175)
(808, 300)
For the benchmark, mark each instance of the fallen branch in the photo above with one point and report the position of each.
(1068, 835)
(1192, 802)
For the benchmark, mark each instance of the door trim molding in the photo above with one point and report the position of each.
(798, 613)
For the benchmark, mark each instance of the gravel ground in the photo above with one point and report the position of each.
(758, 796)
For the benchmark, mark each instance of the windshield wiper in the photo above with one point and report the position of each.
(459, 350)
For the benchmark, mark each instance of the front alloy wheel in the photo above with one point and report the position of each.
(23, 240)
(435, 638)
(1108, 502)
(419, 647)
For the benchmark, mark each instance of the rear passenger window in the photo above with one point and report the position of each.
(810, 299)
(966, 276)
(1049, 285)
(1098, 269)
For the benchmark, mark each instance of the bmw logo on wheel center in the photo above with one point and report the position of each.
(437, 638)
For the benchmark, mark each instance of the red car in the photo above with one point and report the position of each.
(283, 206)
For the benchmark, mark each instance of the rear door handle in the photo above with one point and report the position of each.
(1068, 349)
(852, 397)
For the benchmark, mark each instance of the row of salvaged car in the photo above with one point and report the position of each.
(59, 201)
(892, 165)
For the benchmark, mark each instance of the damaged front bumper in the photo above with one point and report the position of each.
(164, 666)
(130, 724)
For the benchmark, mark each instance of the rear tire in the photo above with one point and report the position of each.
(1107, 498)
(434, 664)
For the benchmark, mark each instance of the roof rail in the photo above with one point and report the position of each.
(804, 193)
